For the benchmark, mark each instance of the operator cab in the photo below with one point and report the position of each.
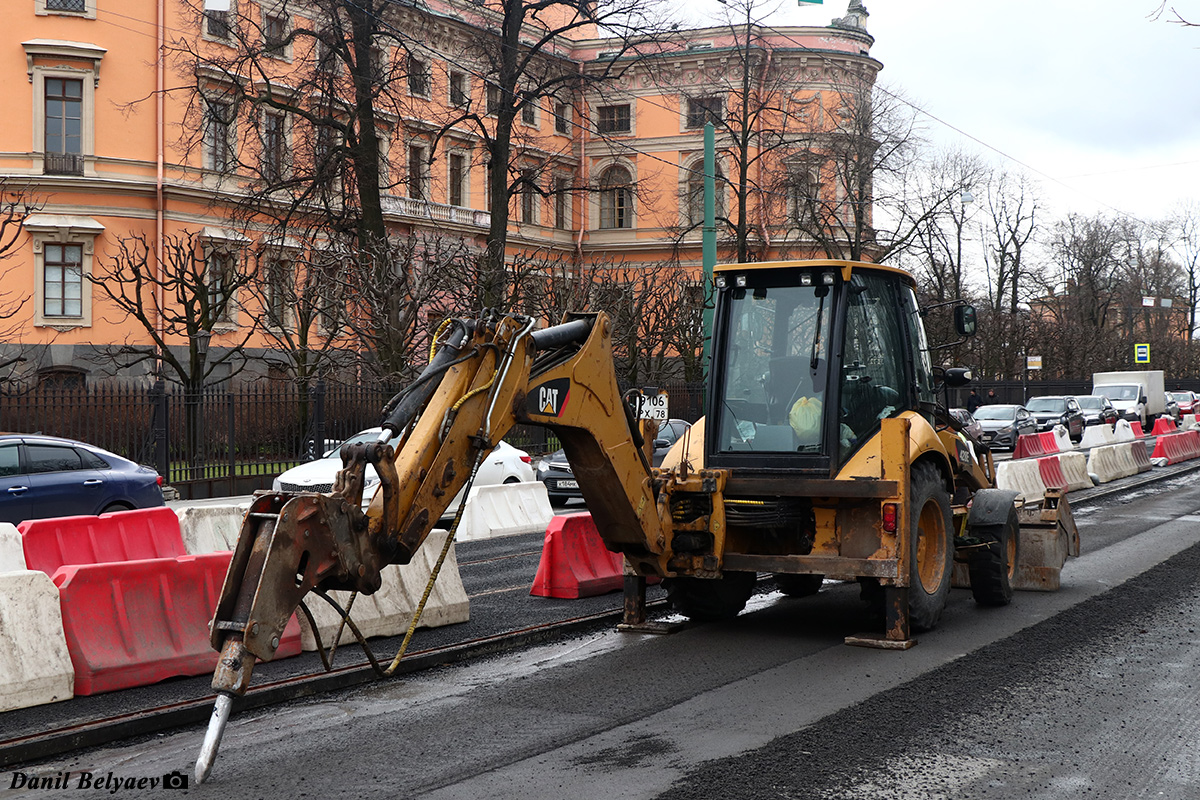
(808, 357)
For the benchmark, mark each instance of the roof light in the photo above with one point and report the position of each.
(722, 282)
(740, 280)
(827, 278)
(806, 279)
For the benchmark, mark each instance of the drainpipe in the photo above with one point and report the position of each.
(583, 171)
(762, 214)
(160, 45)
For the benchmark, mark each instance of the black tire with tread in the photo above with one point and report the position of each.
(992, 567)
(705, 599)
(798, 585)
(931, 547)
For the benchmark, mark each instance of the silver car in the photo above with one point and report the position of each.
(1002, 424)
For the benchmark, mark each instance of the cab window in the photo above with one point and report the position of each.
(873, 385)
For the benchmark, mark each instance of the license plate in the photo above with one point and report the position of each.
(568, 484)
(987, 437)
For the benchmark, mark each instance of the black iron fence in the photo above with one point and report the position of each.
(232, 440)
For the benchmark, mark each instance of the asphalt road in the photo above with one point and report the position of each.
(1087, 692)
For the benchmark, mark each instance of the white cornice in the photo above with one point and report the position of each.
(61, 48)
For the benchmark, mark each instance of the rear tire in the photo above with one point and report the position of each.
(993, 566)
(707, 600)
(798, 585)
(111, 507)
(931, 554)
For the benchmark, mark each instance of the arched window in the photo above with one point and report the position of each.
(616, 198)
(695, 192)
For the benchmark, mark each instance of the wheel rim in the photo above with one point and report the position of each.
(931, 543)
(1010, 555)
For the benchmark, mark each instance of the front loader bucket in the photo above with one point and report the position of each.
(1048, 536)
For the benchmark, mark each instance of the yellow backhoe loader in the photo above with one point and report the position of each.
(823, 453)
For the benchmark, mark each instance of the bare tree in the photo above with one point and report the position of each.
(300, 302)
(179, 305)
(513, 53)
(864, 147)
(1012, 222)
(936, 250)
(16, 205)
(1186, 248)
(396, 298)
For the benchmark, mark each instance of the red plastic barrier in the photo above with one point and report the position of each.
(134, 623)
(1029, 445)
(1137, 428)
(1138, 449)
(575, 562)
(1163, 425)
(121, 536)
(1177, 447)
(1052, 474)
(1049, 443)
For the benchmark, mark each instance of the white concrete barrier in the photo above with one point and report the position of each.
(1123, 432)
(1062, 438)
(207, 529)
(1103, 463)
(1098, 436)
(505, 510)
(12, 553)
(1021, 476)
(35, 667)
(1075, 470)
(1188, 423)
(389, 611)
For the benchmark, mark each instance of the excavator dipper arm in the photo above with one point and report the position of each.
(488, 374)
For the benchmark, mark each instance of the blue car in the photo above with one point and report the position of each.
(44, 476)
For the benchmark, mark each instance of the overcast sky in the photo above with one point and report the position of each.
(1095, 100)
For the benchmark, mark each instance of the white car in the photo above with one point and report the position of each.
(505, 464)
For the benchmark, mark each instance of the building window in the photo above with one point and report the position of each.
(802, 197)
(562, 118)
(64, 247)
(458, 90)
(493, 98)
(616, 198)
(274, 33)
(278, 291)
(274, 144)
(457, 176)
(218, 135)
(82, 8)
(62, 281)
(221, 276)
(64, 126)
(529, 113)
(562, 203)
(613, 119)
(695, 193)
(702, 110)
(216, 24)
(418, 77)
(416, 172)
(529, 195)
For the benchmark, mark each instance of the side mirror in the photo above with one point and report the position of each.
(659, 444)
(958, 376)
(964, 320)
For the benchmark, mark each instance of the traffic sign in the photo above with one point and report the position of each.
(1141, 353)
(1033, 362)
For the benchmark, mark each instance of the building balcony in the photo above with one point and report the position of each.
(62, 164)
(438, 212)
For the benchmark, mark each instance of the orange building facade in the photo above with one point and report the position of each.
(101, 145)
